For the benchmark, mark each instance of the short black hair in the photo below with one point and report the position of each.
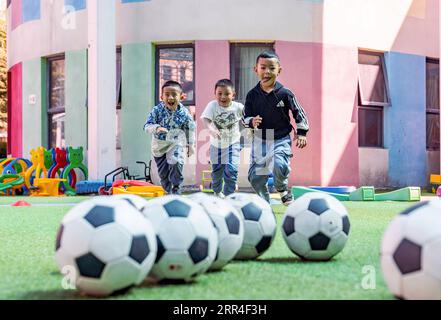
(224, 83)
(268, 55)
(171, 83)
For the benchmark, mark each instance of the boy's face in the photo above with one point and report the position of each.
(267, 70)
(171, 96)
(224, 96)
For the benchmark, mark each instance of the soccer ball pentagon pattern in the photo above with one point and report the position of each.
(110, 245)
(316, 226)
(229, 225)
(186, 237)
(259, 224)
(136, 201)
(411, 252)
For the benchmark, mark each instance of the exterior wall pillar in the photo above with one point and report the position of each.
(102, 84)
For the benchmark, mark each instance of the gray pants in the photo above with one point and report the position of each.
(270, 156)
(170, 169)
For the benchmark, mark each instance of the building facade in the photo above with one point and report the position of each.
(366, 72)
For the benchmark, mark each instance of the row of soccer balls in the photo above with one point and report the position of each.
(115, 242)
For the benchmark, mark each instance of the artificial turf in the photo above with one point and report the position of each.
(28, 269)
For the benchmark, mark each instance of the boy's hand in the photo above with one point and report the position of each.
(190, 150)
(160, 130)
(301, 141)
(215, 133)
(257, 120)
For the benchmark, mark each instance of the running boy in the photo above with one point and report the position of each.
(267, 110)
(173, 129)
(221, 117)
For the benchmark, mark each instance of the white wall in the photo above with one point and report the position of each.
(374, 166)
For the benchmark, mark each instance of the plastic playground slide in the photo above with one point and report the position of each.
(8, 181)
(367, 194)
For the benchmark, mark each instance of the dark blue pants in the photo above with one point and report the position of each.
(170, 169)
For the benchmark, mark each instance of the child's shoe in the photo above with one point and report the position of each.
(286, 197)
(220, 195)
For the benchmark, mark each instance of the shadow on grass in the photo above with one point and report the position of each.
(70, 295)
(283, 260)
(53, 295)
(150, 283)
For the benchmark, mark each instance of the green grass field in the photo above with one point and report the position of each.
(28, 269)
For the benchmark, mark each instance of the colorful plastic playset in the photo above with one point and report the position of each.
(47, 173)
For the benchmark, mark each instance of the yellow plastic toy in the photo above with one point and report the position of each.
(435, 182)
(37, 159)
(46, 187)
(140, 188)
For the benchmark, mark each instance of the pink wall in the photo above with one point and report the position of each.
(16, 9)
(15, 141)
(212, 64)
(302, 74)
(324, 79)
(339, 161)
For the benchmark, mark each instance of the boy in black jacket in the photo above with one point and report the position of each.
(267, 108)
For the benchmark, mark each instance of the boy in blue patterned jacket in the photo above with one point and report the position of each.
(173, 129)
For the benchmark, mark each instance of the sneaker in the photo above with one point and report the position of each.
(176, 190)
(220, 195)
(286, 197)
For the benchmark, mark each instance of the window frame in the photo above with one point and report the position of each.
(233, 45)
(158, 48)
(381, 138)
(52, 111)
(432, 111)
(365, 102)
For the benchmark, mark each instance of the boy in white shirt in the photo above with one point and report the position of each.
(221, 117)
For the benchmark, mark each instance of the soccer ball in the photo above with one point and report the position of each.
(134, 200)
(316, 226)
(411, 252)
(106, 245)
(229, 225)
(259, 222)
(186, 237)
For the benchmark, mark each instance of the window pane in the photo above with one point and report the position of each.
(57, 84)
(370, 127)
(118, 76)
(243, 62)
(372, 80)
(177, 64)
(432, 85)
(432, 133)
(56, 122)
(118, 129)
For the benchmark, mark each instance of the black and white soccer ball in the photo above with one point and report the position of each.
(133, 199)
(316, 226)
(259, 223)
(229, 225)
(109, 245)
(411, 252)
(186, 237)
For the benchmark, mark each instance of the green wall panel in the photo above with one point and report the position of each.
(137, 100)
(32, 106)
(76, 98)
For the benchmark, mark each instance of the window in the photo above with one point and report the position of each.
(176, 62)
(432, 104)
(118, 98)
(243, 59)
(56, 110)
(373, 95)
